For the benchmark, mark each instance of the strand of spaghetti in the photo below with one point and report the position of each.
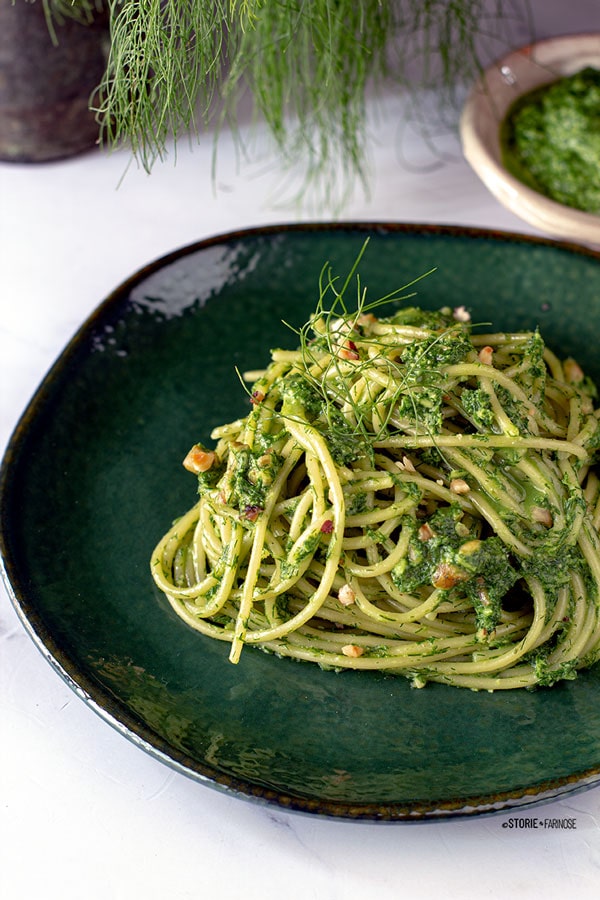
(519, 677)
(480, 370)
(380, 533)
(581, 638)
(493, 441)
(536, 634)
(311, 442)
(213, 606)
(273, 573)
(589, 543)
(397, 633)
(317, 488)
(592, 489)
(304, 504)
(422, 609)
(251, 576)
(504, 421)
(297, 560)
(490, 485)
(540, 474)
(402, 600)
(588, 431)
(248, 590)
(400, 654)
(209, 527)
(501, 338)
(378, 515)
(575, 418)
(405, 657)
(384, 565)
(351, 616)
(200, 561)
(164, 553)
(473, 499)
(571, 484)
(491, 516)
(371, 482)
(190, 617)
(554, 364)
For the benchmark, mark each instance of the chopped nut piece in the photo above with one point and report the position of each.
(366, 319)
(413, 553)
(482, 592)
(542, 515)
(199, 460)
(446, 576)
(484, 635)
(486, 355)
(348, 350)
(346, 595)
(469, 547)
(459, 486)
(461, 314)
(425, 532)
(340, 326)
(352, 650)
(252, 512)
(407, 464)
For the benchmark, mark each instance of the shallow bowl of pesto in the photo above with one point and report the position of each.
(530, 129)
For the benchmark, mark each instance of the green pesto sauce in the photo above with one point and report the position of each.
(551, 140)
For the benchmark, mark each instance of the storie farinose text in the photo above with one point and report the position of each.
(563, 824)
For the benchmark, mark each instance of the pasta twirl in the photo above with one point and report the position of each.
(405, 494)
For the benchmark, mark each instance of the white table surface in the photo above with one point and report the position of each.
(83, 812)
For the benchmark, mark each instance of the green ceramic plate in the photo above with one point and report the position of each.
(93, 476)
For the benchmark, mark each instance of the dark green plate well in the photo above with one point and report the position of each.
(92, 477)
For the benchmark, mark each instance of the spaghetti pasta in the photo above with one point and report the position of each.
(406, 495)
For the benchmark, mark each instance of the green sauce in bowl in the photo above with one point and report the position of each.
(551, 140)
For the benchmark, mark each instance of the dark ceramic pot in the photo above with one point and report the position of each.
(45, 87)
